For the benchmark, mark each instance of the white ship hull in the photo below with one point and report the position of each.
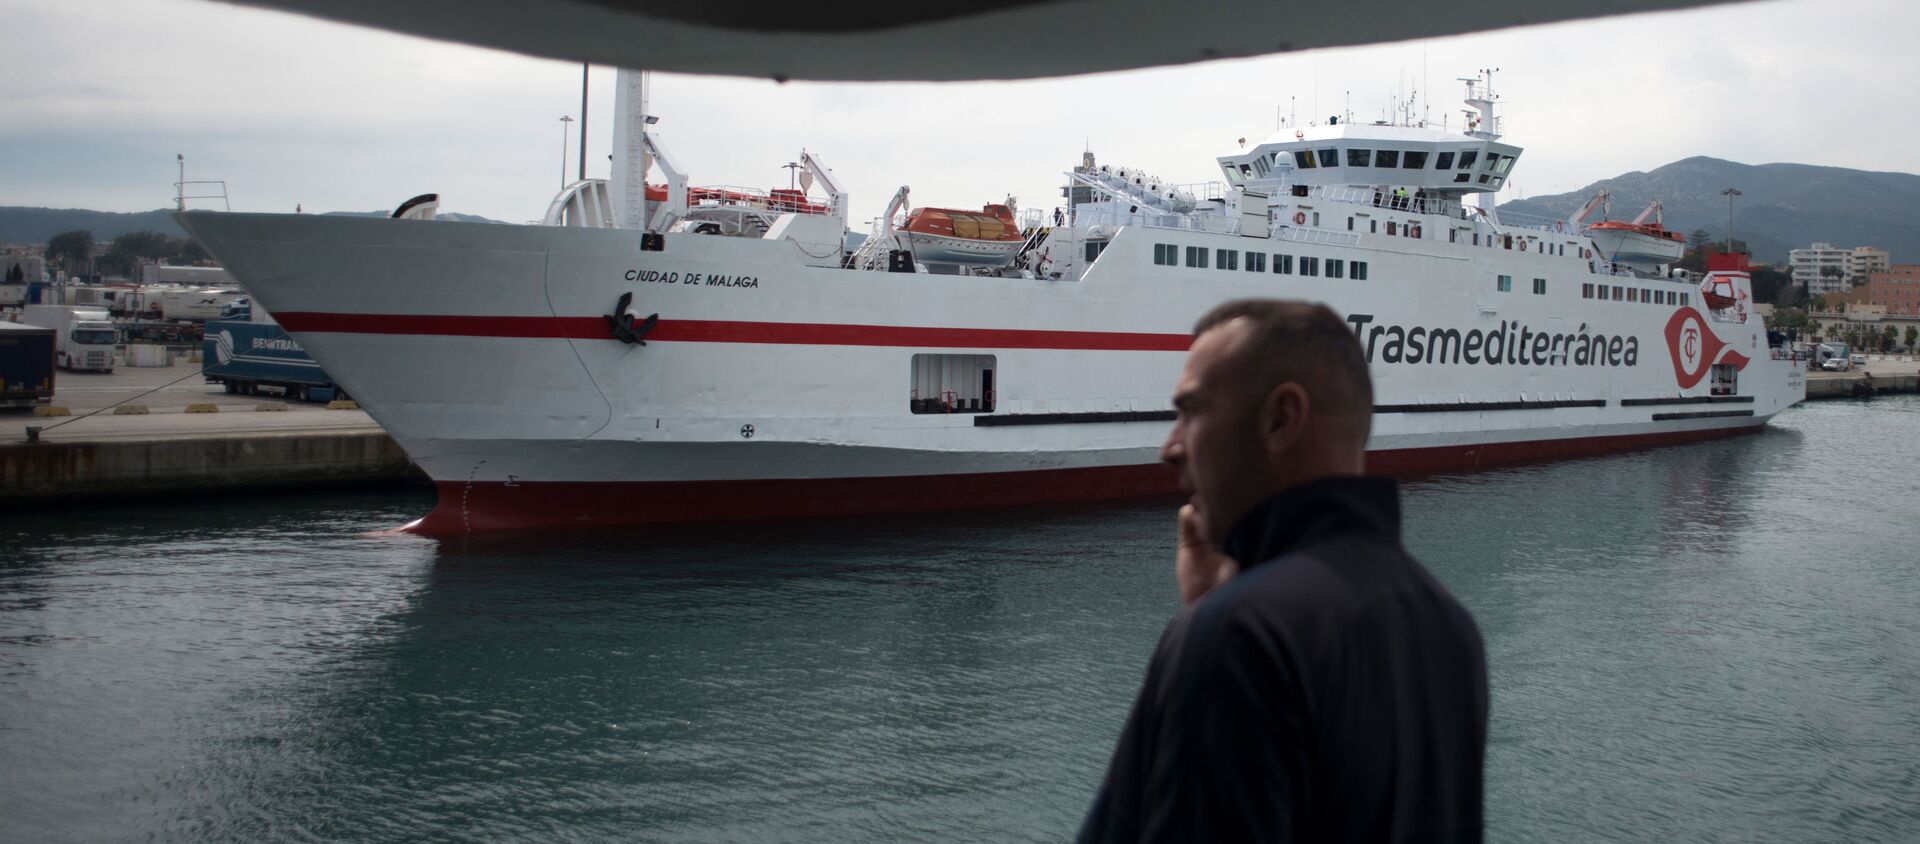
(774, 389)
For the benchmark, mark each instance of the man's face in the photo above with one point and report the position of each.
(1215, 444)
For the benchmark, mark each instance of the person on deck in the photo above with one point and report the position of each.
(1319, 684)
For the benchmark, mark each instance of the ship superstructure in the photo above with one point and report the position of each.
(671, 353)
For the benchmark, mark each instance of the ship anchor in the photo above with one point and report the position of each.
(622, 323)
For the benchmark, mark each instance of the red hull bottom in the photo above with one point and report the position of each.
(497, 507)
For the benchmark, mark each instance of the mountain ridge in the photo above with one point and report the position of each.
(1782, 206)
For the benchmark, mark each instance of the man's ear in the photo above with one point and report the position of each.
(1284, 415)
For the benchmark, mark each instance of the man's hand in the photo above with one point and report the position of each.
(1198, 566)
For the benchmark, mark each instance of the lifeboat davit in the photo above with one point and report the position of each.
(985, 238)
(1644, 246)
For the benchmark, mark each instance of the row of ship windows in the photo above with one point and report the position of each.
(1504, 284)
(1634, 294)
(1169, 255)
(1497, 164)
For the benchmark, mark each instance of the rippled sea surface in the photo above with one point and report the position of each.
(1711, 642)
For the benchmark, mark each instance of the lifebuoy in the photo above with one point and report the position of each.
(1299, 218)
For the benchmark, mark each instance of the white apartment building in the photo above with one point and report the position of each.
(1822, 269)
(1865, 261)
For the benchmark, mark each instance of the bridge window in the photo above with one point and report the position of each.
(1359, 271)
(1443, 161)
(1303, 159)
(1283, 264)
(1358, 157)
(1414, 160)
(1467, 159)
(1256, 262)
(1226, 259)
(1197, 256)
(1504, 284)
(952, 384)
(1329, 157)
(1309, 266)
(1540, 286)
(1336, 268)
(1386, 158)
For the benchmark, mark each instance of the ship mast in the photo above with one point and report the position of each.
(1483, 124)
(630, 156)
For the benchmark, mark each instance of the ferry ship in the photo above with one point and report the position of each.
(661, 353)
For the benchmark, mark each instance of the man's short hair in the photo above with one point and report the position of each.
(1306, 343)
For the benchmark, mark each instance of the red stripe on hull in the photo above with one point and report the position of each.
(496, 507)
(725, 331)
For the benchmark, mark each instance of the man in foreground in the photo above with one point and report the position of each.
(1319, 685)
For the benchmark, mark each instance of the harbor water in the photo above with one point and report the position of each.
(1717, 642)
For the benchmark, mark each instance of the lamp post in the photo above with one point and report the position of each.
(1730, 193)
(566, 126)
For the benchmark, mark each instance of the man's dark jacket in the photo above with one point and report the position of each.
(1330, 691)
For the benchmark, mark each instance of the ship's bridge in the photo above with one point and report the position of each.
(1377, 154)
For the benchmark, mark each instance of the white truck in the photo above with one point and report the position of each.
(84, 337)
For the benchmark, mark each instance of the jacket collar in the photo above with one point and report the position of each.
(1294, 516)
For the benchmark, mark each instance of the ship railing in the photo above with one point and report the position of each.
(1210, 223)
(1517, 220)
(1321, 237)
(1176, 199)
(1362, 195)
(871, 254)
(709, 196)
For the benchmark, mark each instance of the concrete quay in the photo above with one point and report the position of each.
(1885, 374)
(108, 457)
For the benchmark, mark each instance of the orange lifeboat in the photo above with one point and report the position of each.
(988, 237)
(1719, 292)
(1638, 245)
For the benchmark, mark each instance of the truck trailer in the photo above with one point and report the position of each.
(246, 355)
(85, 337)
(26, 365)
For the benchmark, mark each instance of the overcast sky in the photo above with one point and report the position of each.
(96, 98)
